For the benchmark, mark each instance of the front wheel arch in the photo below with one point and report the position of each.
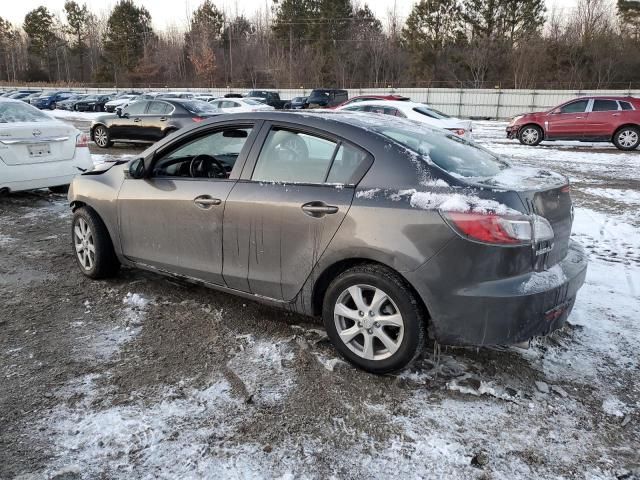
(529, 125)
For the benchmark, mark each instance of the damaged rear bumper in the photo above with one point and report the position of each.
(510, 310)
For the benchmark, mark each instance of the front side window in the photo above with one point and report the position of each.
(294, 157)
(210, 156)
(604, 105)
(575, 107)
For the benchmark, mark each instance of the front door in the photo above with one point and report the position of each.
(172, 220)
(125, 126)
(280, 218)
(568, 121)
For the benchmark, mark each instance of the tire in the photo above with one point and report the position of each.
(59, 189)
(52, 105)
(366, 326)
(530, 135)
(92, 245)
(101, 137)
(627, 138)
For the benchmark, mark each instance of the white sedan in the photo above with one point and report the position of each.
(236, 105)
(414, 111)
(38, 151)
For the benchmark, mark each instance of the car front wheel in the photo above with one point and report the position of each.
(530, 135)
(627, 138)
(374, 319)
(101, 137)
(92, 245)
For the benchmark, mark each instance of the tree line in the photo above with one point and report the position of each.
(471, 43)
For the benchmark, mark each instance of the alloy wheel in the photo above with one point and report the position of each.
(368, 321)
(628, 138)
(530, 135)
(84, 243)
(100, 137)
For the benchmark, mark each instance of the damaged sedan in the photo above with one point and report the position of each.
(387, 229)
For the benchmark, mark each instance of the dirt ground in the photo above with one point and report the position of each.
(145, 377)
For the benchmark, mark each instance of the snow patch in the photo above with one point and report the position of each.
(540, 281)
(456, 202)
(368, 194)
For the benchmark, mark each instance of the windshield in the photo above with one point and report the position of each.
(90, 98)
(430, 112)
(199, 107)
(450, 152)
(319, 95)
(20, 112)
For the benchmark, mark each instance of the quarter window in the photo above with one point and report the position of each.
(348, 165)
(604, 105)
(575, 107)
(625, 106)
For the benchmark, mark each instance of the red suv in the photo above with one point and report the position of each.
(587, 119)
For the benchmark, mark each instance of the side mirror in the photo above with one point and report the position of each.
(136, 168)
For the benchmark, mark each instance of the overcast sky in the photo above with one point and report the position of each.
(168, 12)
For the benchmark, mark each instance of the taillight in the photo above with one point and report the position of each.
(82, 140)
(458, 131)
(197, 119)
(500, 229)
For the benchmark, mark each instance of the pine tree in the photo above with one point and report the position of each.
(127, 38)
(203, 38)
(629, 13)
(78, 19)
(39, 27)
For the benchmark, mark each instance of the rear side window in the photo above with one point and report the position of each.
(625, 106)
(604, 105)
(575, 107)
(294, 157)
(159, 108)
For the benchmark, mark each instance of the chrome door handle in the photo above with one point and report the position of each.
(136, 119)
(205, 201)
(318, 209)
(615, 114)
(163, 119)
(579, 117)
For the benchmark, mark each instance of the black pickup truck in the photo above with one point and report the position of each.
(270, 98)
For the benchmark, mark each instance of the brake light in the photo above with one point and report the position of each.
(82, 140)
(500, 229)
(457, 131)
(197, 119)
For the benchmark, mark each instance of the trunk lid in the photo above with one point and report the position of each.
(36, 142)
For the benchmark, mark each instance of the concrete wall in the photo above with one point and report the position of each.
(489, 103)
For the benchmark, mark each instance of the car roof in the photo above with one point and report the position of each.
(400, 104)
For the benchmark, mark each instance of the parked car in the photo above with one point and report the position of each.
(22, 94)
(326, 98)
(414, 111)
(270, 98)
(149, 120)
(6, 93)
(205, 98)
(70, 102)
(425, 230)
(296, 103)
(49, 100)
(92, 103)
(31, 96)
(366, 98)
(120, 102)
(188, 95)
(586, 119)
(38, 151)
(236, 105)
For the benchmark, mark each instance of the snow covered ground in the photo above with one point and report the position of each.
(178, 382)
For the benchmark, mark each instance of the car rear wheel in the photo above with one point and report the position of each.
(530, 135)
(101, 137)
(92, 245)
(374, 319)
(52, 105)
(627, 138)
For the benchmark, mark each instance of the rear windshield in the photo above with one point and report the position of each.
(430, 112)
(198, 106)
(450, 152)
(20, 112)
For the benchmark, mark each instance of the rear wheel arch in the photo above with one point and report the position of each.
(334, 270)
(633, 126)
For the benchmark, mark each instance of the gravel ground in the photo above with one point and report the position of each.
(146, 377)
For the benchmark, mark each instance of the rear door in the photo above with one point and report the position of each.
(155, 120)
(568, 121)
(293, 195)
(602, 120)
(172, 220)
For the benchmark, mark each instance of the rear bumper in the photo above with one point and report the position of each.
(510, 310)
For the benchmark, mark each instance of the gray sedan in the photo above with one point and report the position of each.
(387, 229)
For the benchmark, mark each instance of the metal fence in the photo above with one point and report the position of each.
(494, 103)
